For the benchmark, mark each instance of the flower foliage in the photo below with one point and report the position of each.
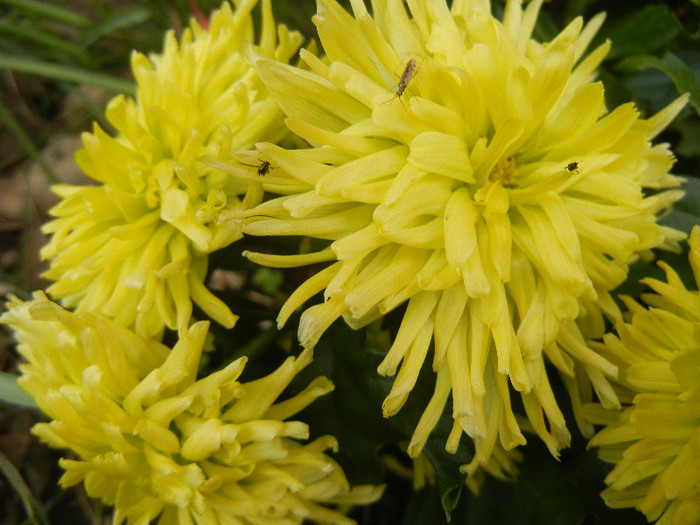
(502, 464)
(465, 169)
(155, 442)
(460, 192)
(134, 246)
(655, 441)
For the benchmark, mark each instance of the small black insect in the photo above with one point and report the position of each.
(572, 166)
(263, 168)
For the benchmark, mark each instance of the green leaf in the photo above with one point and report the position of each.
(353, 413)
(617, 92)
(47, 10)
(12, 393)
(678, 71)
(450, 481)
(43, 38)
(683, 216)
(688, 145)
(686, 212)
(548, 491)
(644, 31)
(114, 22)
(63, 72)
(564, 491)
(424, 507)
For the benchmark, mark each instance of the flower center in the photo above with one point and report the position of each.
(504, 171)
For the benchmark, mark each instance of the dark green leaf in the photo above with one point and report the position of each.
(685, 213)
(644, 31)
(353, 413)
(450, 481)
(548, 491)
(680, 73)
(633, 286)
(650, 89)
(424, 508)
(617, 92)
(689, 144)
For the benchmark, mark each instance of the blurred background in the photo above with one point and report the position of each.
(61, 61)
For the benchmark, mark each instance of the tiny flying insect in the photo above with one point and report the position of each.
(408, 73)
(572, 166)
(263, 168)
(406, 77)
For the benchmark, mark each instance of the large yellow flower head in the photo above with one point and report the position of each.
(655, 442)
(462, 167)
(135, 246)
(155, 442)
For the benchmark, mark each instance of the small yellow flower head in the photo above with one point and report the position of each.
(135, 246)
(155, 442)
(655, 442)
(474, 173)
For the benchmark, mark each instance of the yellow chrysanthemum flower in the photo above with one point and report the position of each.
(462, 167)
(135, 247)
(655, 442)
(155, 442)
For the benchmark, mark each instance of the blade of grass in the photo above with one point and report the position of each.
(96, 110)
(12, 393)
(63, 72)
(48, 11)
(25, 141)
(122, 19)
(45, 39)
(17, 482)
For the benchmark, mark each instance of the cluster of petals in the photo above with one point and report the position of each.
(156, 443)
(655, 441)
(135, 246)
(462, 169)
